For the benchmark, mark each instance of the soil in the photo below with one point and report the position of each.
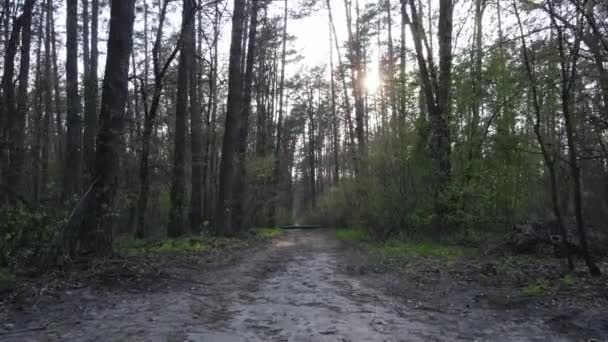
(301, 286)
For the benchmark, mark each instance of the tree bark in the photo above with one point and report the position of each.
(239, 193)
(15, 109)
(277, 149)
(72, 176)
(177, 218)
(224, 218)
(90, 63)
(210, 135)
(196, 134)
(48, 94)
(347, 106)
(37, 120)
(391, 64)
(59, 129)
(354, 46)
(334, 114)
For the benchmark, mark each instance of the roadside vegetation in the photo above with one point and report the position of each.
(505, 278)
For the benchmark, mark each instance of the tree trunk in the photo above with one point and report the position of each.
(334, 115)
(49, 109)
(311, 150)
(239, 193)
(37, 121)
(59, 130)
(15, 109)
(347, 107)
(391, 63)
(177, 219)
(17, 148)
(72, 176)
(196, 134)
(277, 150)
(354, 46)
(209, 147)
(224, 218)
(476, 76)
(402, 62)
(89, 230)
(90, 63)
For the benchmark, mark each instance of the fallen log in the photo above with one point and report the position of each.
(298, 226)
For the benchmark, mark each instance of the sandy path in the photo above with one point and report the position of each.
(295, 290)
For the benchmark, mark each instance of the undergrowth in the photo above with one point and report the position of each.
(267, 233)
(352, 234)
(187, 244)
(396, 248)
(548, 287)
(404, 249)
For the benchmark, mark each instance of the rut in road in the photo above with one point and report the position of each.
(297, 289)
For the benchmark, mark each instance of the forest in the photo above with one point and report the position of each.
(454, 135)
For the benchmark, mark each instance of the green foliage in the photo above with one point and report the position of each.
(391, 197)
(268, 233)
(352, 234)
(442, 252)
(470, 206)
(549, 287)
(182, 245)
(27, 236)
(259, 190)
(539, 287)
(335, 206)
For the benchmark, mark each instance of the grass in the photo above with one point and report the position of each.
(539, 287)
(267, 233)
(548, 287)
(352, 234)
(403, 249)
(397, 249)
(184, 245)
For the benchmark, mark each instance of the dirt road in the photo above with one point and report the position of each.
(297, 289)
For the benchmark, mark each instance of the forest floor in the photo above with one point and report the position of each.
(301, 285)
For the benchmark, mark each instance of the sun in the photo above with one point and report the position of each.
(372, 82)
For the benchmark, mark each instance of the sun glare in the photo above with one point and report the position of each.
(372, 82)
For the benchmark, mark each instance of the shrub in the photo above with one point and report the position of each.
(26, 236)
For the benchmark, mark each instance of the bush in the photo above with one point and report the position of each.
(27, 236)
